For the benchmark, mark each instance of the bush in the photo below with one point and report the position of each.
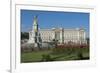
(79, 55)
(46, 57)
(69, 47)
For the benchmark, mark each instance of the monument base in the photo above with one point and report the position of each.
(35, 45)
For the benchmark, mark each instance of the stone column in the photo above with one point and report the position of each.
(85, 38)
(53, 33)
(78, 36)
(61, 35)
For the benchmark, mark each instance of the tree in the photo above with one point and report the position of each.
(87, 39)
(24, 35)
(55, 42)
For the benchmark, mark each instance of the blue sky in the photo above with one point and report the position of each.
(51, 19)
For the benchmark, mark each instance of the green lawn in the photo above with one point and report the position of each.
(33, 56)
(37, 56)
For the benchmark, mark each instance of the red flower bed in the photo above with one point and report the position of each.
(72, 46)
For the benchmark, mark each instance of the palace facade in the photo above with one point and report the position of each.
(62, 35)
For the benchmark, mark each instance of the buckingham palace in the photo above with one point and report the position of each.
(62, 35)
